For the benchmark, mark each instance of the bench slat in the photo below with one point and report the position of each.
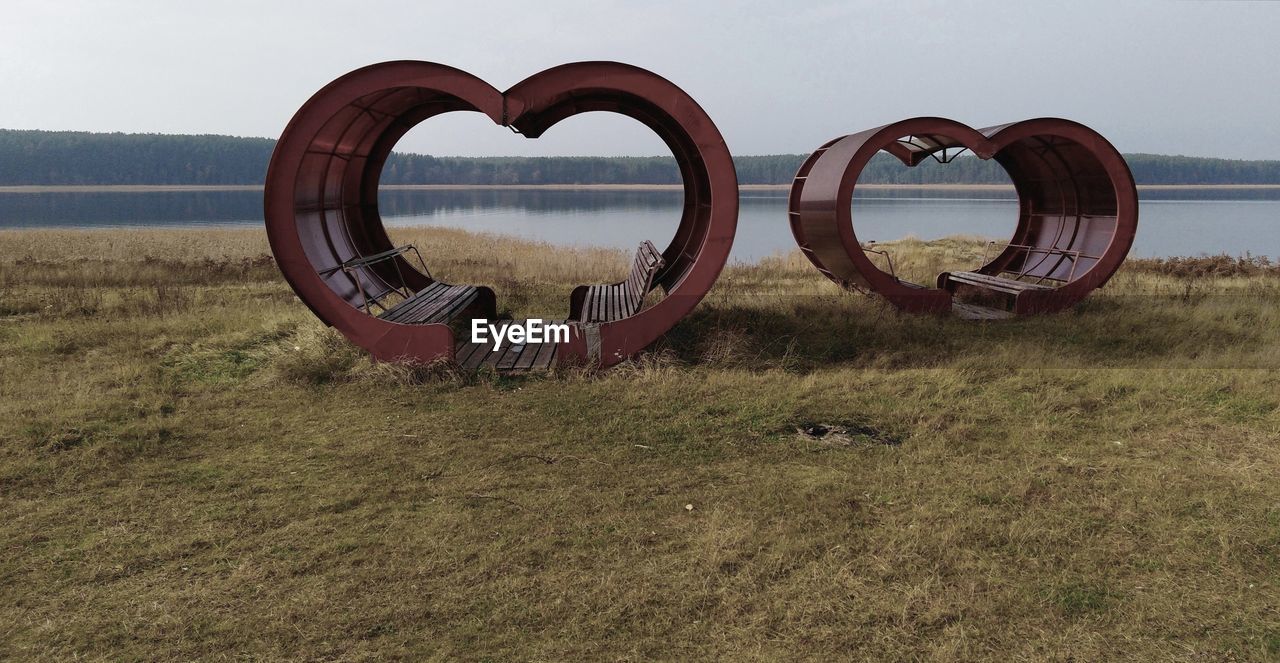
(633, 286)
(526, 358)
(485, 351)
(546, 354)
(496, 358)
(409, 309)
(466, 350)
(430, 307)
(604, 302)
(473, 362)
(512, 356)
(593, 303)
(995, 282)
(453, 307)
(615, 304)
(437, 302)
(404, 307)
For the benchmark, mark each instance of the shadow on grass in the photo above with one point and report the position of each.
(1100, 334)
(810, 334)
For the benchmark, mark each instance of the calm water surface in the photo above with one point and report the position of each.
(1172, 222)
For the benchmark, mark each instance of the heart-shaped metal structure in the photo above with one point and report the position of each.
(1078, 211)
(321, 199)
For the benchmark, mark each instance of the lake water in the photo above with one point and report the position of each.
(1172, 222)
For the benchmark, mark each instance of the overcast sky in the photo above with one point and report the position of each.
(1166, 77)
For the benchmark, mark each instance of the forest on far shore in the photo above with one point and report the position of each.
(81, 158)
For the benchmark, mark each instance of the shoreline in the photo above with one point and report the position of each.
(216, 188)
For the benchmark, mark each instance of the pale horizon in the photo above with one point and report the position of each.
(1191, 79)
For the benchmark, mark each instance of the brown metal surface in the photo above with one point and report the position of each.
(1078, 207)
(321, 201)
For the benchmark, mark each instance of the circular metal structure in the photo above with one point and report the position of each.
(321, 201)
(1078, 211)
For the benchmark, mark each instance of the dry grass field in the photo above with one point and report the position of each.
(192, 467)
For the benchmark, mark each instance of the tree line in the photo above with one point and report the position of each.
(70, 158)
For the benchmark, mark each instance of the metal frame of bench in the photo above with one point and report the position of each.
(356, 266)
(614, 301)
(1015, 285)
(869, 247)
(1074, 254)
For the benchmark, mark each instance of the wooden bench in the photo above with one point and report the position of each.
(1056, 265)
(614, 301)
(990, 282)
(438, 302)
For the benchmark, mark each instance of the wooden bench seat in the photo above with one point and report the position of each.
(990, 282)
(614, 301)
(436, 303)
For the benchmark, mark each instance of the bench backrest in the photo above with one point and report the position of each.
(647, 263)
